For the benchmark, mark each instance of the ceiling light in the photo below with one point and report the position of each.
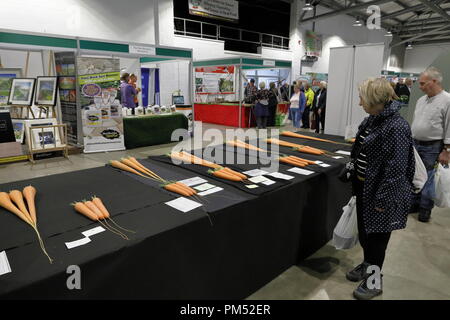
(358, 22)
(409, 46)
(308, 6)
(388, 33)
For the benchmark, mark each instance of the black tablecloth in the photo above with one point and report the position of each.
(173, 255)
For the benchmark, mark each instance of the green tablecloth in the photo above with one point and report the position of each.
(151, 130)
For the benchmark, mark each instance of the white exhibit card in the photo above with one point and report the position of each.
(346, 153)
(252, 186)
(338, 157)
(193, 181)
(258, 179)
(91, 232)
(255, 172)
(301, 171)
(213, 190)
(77, 243)
(4, 264)
(324, 165)
(184, 205)
(268, 182)
(280, 175)
(204, 187)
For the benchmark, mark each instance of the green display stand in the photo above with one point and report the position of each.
(152, 130)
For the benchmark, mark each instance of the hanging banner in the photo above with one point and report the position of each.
(313, 44)
(214, 80)
(215, 9)
(101, 110)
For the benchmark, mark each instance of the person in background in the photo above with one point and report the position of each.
(127, 92)
(132, 81)
(294, 83)
(273, 103)
(309, 94)
(384, 167)
(319, 106)
(431, 133)
(250, 92)
(262, 106)
(402, 91)
(284, 92)
(298, 103)
(409, 84)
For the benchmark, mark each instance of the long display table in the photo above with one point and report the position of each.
(223, 251)
(141, 131)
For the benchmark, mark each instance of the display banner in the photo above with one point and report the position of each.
(313, 44)
(65, 69)
(214, 80)
(215, 9)
(101, 111)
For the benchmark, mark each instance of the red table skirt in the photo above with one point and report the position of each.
(226, 115)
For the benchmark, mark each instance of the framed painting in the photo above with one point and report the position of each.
(21, 92)
(46, 88)
(6, 76)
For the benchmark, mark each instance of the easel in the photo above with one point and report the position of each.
(28, 110)
(47, 112)
(35, 148)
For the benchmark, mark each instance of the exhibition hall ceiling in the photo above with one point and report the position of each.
(413, 21)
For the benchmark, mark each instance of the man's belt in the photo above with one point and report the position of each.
(427, 143)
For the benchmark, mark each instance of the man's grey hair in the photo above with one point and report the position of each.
(434, 74)
(323, 83)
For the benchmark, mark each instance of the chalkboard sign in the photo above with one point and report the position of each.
(6, 128)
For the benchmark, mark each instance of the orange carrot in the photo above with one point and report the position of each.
(131, 164)
(304, 160)
(124, 167)
(80, 207)
(173, 187)
(144, 168)
(226, 175)
(17, 197)
(240, 175)
(29, 193)
(5, 202)
(94, 209)
(292, 162)
(99, 204)
(187, 188)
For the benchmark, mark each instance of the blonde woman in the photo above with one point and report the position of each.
(383, 173)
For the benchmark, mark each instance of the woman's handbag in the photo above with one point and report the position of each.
(345, 234)
(442, 186)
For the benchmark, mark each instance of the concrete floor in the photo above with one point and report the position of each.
(417, 264)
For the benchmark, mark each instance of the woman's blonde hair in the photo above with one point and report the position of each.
(262, 85)
(376, 91)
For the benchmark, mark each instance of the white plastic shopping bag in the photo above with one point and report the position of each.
(420, 174)
(345, 235)
(442, 186)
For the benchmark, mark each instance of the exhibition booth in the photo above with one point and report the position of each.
(81, 78)
(220, 85)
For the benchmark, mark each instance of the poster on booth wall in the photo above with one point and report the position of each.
(101, 111)
(214, 80)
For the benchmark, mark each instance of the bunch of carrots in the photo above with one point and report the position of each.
(14, 202)
(216, 169)
(296, 135)
(296, 161)
(96, 211)
(242, 144)
(132, 165)
(298, 147)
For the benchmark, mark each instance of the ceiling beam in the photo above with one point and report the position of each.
(419, 36)
(443, 40)
(403, 11)
(421, 27)
(406, 35)
(436, 9)
(361, 6)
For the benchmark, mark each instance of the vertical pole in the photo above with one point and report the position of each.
(156, 20)
(240, 93)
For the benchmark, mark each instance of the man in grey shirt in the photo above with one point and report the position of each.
(431, 133)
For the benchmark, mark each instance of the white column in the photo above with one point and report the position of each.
(296, 38)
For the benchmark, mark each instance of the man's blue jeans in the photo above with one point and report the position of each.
(429, 155)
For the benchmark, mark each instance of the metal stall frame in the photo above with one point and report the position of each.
(244, 63)
(33, 41)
